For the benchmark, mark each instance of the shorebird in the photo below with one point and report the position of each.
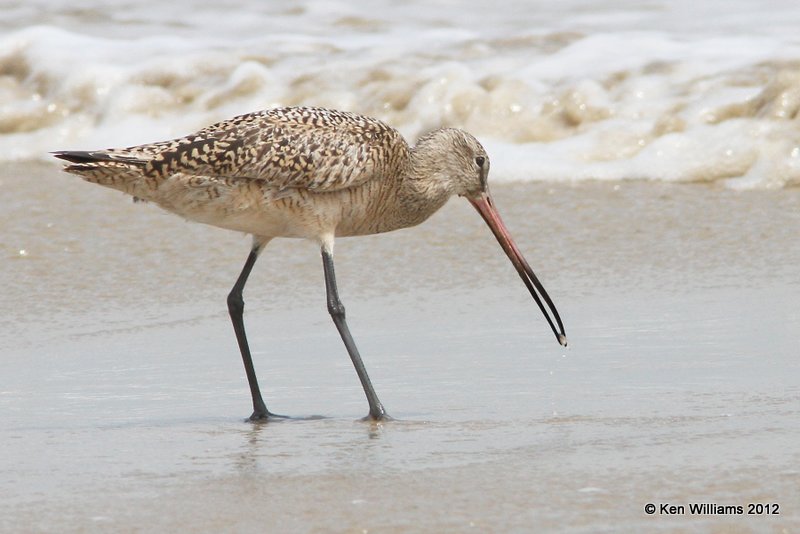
(310, 173)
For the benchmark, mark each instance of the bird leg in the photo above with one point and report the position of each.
(236, 310)
(336, 309)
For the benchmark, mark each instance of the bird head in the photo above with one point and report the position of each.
(457, 160)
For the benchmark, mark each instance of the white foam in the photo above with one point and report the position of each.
(670, 91)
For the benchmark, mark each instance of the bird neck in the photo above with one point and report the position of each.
(424, 187)
(427, 174)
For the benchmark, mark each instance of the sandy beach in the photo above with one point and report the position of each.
(123, 397)
(646, 158)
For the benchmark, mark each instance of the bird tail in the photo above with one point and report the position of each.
(119, 171)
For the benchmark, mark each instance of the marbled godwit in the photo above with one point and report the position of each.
(308, 173)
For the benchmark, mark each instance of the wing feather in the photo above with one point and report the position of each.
(314, 149)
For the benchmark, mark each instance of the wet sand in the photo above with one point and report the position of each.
(123, 397)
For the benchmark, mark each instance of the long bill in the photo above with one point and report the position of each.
(485, 206)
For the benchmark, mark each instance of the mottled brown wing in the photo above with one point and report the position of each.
(309, 148)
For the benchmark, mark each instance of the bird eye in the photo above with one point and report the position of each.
(480, 161)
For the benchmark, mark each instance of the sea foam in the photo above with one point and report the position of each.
(582, 92)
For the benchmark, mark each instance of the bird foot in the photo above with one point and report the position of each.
(263, 417)
(378, 418)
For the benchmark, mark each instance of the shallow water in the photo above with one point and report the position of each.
(123, 399)
(122, 395)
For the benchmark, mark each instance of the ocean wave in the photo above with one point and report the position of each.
(550, 102)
